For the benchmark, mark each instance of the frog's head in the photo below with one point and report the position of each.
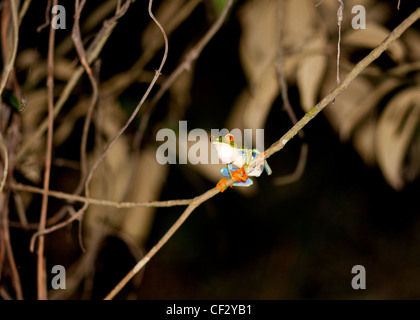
(227, 140)
(225, 147)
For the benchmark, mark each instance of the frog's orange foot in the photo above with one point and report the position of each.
(222, 185)
(239, 175)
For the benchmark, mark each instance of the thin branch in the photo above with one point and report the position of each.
(91, 53)
(106, 203)
(300, 168)
(119, 82)
(280, 64)
(286, 103)
(23, 10)
(358, 68)
(6, 162)
(194, 204)
(277, 146)
(339, 20)
(77, 39)
(192, 55)
(9, 251)
(41, 270)
(12, 56)
(20, 210)
(133, 115)
(47, 17)
(81, 211)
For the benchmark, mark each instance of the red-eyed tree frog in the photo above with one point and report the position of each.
(233, 155)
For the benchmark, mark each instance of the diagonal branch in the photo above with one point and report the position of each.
(194, 204)
(372, 56)
(277, 146)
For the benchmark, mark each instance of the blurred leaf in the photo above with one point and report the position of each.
(299, 24)
(364, 139)
(412, 41)
(311, 71)
(148, 182)
(347, 101)
(396, 127)
(371, 37)
(412, 167)
(118, 179)
(361, 110)
(259, 38)
(258, 48)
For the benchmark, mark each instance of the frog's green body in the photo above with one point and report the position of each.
(233, 155)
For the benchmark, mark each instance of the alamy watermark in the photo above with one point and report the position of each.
(359, 280)
(58, 281)
(59, 20)
(359, 20)
(177, 144)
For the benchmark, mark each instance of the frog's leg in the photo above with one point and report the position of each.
(260, 155)
(236, 174)
(227, 173)
(222, 185)
(260, 163)
(239, 175)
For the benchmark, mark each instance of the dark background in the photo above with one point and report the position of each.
(298, 241)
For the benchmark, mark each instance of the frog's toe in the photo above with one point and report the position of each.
(222, 185)
(239, 175)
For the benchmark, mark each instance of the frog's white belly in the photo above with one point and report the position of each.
(227, 154)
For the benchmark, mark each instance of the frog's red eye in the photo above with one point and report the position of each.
(229, 137)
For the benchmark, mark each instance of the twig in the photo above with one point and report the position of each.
(286, 103)
(80, 212)
(12, 53)
(9, 251)
(92, 53)
(192, 55)
(47, 17)
(300, 168)
(319, 3)
(23, 10)
(20, 210)
(339, 20)
(194, 204)
(41, 271)
(358, 68)
(279, 65)
(118, 83)
(107, 203)
(6, 162)
(277, 146)
(77, 40)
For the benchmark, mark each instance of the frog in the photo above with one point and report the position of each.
(234, 155)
